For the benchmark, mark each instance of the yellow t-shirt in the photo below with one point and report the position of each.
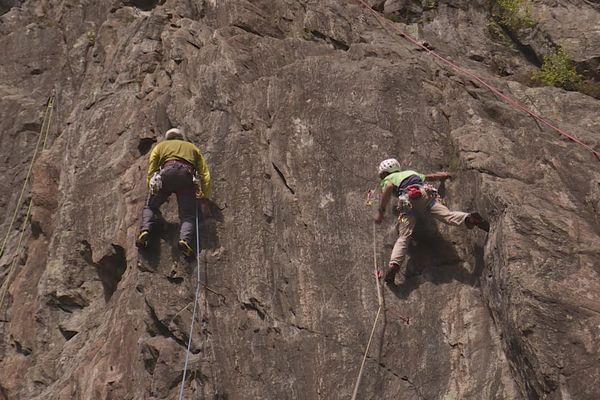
(175, 149)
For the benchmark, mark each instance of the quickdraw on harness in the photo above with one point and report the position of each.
(155, 183)
(413, 192)
(197, 185)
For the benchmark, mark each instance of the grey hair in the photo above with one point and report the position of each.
(175, 133)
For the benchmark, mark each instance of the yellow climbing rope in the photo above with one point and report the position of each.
(44, 136)
(369, 203)
(41, 142)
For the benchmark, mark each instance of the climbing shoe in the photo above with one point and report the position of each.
(476, 220)
(142, 240)
(185, 248)
(390, 274)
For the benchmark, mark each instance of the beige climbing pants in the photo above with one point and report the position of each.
(406, 223)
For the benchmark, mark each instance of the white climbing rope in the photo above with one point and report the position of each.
(187, 353)
(381, 304)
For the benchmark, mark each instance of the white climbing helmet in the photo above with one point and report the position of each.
(390, 165)
(174, 133)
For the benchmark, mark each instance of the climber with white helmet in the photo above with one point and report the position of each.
(176, 166)
(415, 197)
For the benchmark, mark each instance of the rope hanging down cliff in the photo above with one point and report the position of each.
(43, 134)
(380, 300)
(196, 298)
(42, 140)
(515, 104)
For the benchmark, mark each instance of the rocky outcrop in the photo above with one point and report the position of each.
(293, 104)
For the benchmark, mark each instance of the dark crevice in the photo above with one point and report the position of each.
(527, 51)
(145, 144)
(175, 279)
(255, 305)
(150, 356)
(36, 229)
(22, 350)
(337, 44)
(144, 5)
(248, 29)
(283, 178)
(5, 6)
(33, 127)
(67, 303)
(196, 45)
(68, 334)
(110, 270)
(86, 251)
(589, 68)
(379, 6)
(161, 328)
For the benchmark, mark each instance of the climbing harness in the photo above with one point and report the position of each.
(507, 99)
(197, 295)
(42, 139)
(156, 179)
(413, 192)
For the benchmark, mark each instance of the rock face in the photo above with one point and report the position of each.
(294, 103)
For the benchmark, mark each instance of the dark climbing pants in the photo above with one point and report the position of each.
(176, 178)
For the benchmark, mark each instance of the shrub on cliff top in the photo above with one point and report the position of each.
(514, 14)
(558, 70)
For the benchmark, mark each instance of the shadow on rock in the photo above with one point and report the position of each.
(165, 237)
(433, 258)
(209, 238)
(163, 232)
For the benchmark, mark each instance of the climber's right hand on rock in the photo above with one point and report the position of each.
(445, 175)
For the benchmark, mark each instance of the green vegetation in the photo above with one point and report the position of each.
(307, 34)
(498, 34)
(515, 14)
(431, 4)
(558, 70)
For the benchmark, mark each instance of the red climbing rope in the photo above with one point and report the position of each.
(509, 100)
